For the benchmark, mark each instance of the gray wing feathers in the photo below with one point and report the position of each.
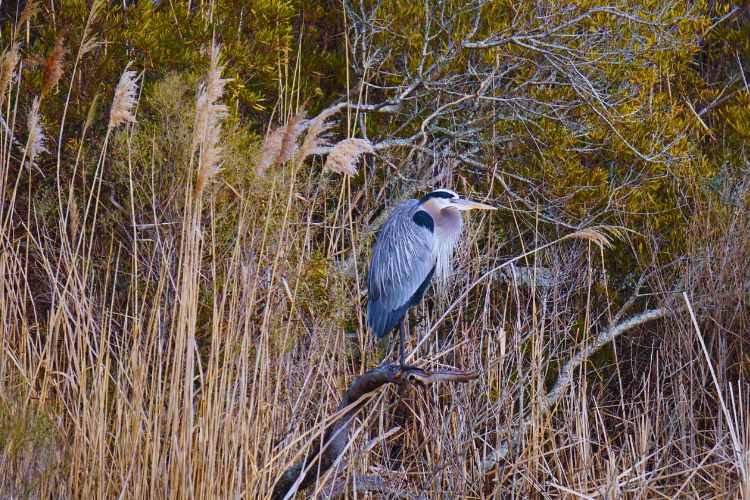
(401, 260)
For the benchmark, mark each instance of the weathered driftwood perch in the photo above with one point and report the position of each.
(306, 471)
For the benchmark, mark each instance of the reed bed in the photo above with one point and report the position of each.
(161, 359)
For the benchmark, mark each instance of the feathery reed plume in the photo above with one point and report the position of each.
(37, 139)
(318, 134)
(281, 144)
(210, 92)
(124, 101)
(344, 155)
(8, 68)
(599, 235)
(269, 150)
(88, 44)
(207, 130)
(289, 143)
(52, 65)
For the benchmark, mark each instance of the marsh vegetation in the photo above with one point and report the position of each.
(190, 195)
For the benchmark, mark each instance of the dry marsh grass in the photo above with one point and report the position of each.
(165, 359)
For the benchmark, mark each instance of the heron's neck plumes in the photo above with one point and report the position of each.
(448, 230)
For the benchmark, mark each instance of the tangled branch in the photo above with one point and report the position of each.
(305, 472)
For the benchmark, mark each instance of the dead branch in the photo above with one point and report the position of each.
(369, 484)
(326, 451)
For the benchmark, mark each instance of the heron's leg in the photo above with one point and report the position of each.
(401, 336)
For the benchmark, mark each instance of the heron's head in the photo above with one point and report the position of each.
(442, 199)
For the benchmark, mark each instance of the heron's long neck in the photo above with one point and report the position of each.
(448, 228)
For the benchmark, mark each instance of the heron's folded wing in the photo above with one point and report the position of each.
(401, 261)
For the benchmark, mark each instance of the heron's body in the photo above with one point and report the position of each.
(415, 244)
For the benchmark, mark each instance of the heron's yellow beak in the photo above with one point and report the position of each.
(462, 204)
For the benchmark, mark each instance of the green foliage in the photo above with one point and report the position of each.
(261, 43)
(644, 159)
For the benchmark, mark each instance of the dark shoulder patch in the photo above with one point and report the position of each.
(422, 218)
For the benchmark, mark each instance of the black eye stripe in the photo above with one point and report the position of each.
(438, 194)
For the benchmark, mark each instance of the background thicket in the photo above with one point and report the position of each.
(191, 190)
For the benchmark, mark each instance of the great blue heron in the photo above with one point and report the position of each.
(415, 243)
